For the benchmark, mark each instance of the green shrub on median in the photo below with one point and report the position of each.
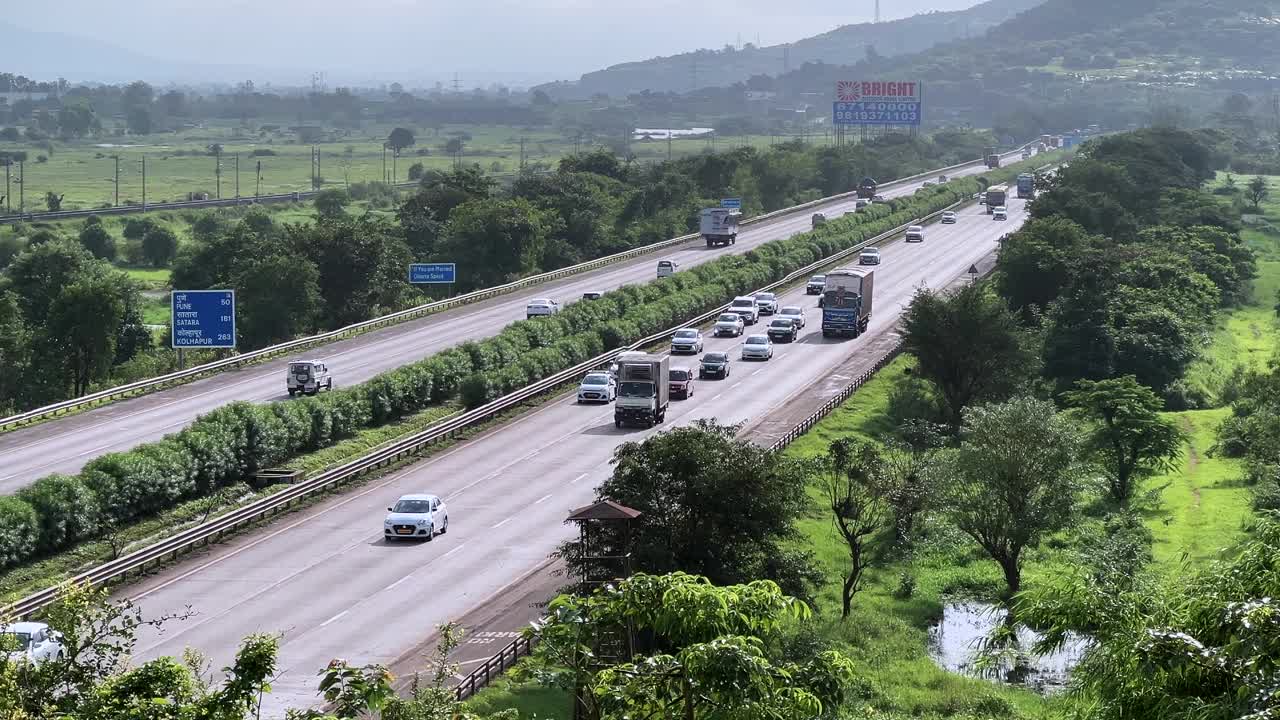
(233, 442)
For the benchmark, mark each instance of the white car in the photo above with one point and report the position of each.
(915, 233)
(541, 307)
(757, 347)
(766, 303)
(416, 516)
(729, 324)
(1000, 213)
(948, 217)
(745, 306)
(667, 268)
(598, 387)
(816, 285)
(794, 313)
(869, 256)
(308, 377)
(688, 340)
(34, 642)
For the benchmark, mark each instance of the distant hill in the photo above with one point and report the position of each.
(843, 46)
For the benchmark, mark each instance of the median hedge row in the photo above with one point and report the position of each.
(231, 443)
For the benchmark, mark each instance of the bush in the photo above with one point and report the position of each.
(95, 238)
(19, 531)
(67, 510)
(160, 246)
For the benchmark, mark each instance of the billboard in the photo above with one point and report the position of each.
(876, 102)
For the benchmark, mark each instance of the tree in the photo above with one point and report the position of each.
(1036, 263)
(98, 241)
(137, 228)
(1012, 480)
(399, 139)
(499, 240)
(15, 352)
(1257, 191)
(703, 653)
(160, 246)
(454, 146)
(712, 504)
(37, 275)
(361, 261)
(968, 345)
(853, 481)
(416, 171)
(331, 202)
(279, 299)
(1129, 437)
(53, 201)
(83, 321)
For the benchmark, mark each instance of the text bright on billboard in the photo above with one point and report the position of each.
(876, 102)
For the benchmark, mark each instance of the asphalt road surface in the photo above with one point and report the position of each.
(328, 582)
(65, 445)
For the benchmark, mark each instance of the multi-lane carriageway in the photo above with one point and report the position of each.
(333, 587)
(65, 445)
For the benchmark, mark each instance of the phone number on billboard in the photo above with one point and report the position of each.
(883, 116)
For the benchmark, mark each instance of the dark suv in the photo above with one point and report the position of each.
(714, 365)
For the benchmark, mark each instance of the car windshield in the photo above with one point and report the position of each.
(664, 263)
(757, 340)
(781, 323)
(595, 380)
(412, 506)
(687, 334)
(713, 358)
(15, 641)
(636, 389)
(540, 302)
(914, 228)
(792, 310)
(679, 374)
(871, 251)
(729, 318)
(766, 296)
(744, 302)
(818, 278)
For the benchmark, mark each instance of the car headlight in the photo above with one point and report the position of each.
(422, 521)
(386, 522)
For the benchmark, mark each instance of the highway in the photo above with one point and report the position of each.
(327, 581)
(64, 445)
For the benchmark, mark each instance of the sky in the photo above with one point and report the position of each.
(518, 42)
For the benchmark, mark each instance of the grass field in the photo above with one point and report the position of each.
(180, 163)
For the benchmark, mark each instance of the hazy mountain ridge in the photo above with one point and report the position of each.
(843, 46)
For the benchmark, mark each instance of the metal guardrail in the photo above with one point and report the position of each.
(505, 658)
(213, 530)
(152, 384)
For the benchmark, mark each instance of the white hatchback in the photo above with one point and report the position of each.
(729, 324)
(416, 516)
(915, 233)
(757, 347)
(34, 642)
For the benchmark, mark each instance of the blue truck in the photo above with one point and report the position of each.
(846, 302)
(1026, 185)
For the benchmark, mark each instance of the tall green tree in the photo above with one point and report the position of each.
(363, 264)
(1129, 438)
(159, 246)
(496, 240)
(712, 505)
(278, 299)
(98, 241)
(969, 345)
(1036, 263)
(15, 352)
(83, 323)
(853, 480)
(1257, 191)
(331, 202)
(1012, 480)
(400, 138)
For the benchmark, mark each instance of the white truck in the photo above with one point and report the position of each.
(644, 390)
(719, 226)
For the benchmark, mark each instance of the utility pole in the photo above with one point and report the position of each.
(237, 176)
(395, 154)
(669, 134)
(319, 172)
(384, 162)
(117, 182)
(257, 190)
(144, 183)
(522, 153)
(22, 187)
(877, 11)
(8, 204)
(217, 171)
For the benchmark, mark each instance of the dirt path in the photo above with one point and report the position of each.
(1193, 458)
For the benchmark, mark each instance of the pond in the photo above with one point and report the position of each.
(954, 643)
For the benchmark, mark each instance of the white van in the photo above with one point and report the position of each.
(308, 376)
(667, 268)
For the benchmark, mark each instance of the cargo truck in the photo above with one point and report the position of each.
(719, 226)
(997, 196)
(993, 161)
(846, 302)
(867, 188)
(1026, 185)
(644, 390)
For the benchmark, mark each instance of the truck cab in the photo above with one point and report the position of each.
(308, 376)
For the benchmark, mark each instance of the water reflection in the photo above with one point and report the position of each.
(955, 642)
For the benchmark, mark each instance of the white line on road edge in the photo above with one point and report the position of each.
(392, 585)
(580, 477)
(335, 617)
(457, 549)
(543, 499)
(504, 522)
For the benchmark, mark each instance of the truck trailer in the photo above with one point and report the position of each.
(1026, 185)
(644, 390)
(846, 301)
(867, 188)
(997, 196)
(719, 226)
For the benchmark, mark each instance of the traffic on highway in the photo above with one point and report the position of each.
(327, 578)
(65, 444)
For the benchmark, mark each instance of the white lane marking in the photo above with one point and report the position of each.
(455, 550)
(394, 584)
(574, 481)
(335, 617)
(735, 384)
(543, 499)
(717, 397)
(504, 522)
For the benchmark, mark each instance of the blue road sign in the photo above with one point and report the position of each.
(731, 203)
(203, 318)
(875, 113)
(432, 273)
